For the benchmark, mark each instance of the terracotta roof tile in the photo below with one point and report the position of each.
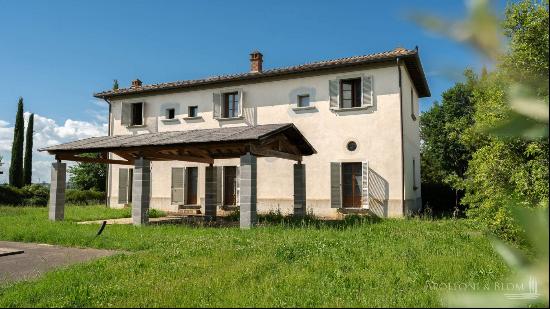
(197, 136)
(412, 55)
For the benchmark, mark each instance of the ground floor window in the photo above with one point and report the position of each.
(230, 185)
(125, 179)
(191, 183)
(185, 185)
(351, 184)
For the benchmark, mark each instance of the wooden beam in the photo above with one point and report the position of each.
(169, 157)
(125, 155)
(266, 152)
(285, 143)
(91, 160)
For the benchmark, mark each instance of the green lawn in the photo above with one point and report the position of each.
(385, 263)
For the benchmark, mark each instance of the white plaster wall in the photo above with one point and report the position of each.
(376, 131)
(411, 145)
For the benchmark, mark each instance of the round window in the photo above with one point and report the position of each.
(351, 146)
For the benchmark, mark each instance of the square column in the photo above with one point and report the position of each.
(57, 191)
(299, 189)
(210, 192)
(248, 191)
(141, 191)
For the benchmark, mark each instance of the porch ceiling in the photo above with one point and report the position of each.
(204, 145)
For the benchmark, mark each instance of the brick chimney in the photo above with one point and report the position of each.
(256, 60)
(136, 83)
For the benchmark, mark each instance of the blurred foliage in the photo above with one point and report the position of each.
(506, 180)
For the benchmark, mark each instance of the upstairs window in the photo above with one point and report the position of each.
(170, 113)
(303, 100)
(137, 114)
(230, 105)
(350, 93)
(132, 114)
(192, 112)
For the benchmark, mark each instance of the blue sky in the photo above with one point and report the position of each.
(55, 54)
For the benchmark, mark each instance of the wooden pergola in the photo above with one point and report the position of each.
(203, 146)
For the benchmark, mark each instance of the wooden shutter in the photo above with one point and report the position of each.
(238, 186)
(177, 185)
(126, 114)
(142, 113)
(217, 105)
(334, 89)
(335, 185)
(241, 103)
(219, 185)
(365, 185)
(122, 185)
(368, 91)
(185, 184)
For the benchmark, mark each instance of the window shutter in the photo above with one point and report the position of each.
(219, 185)
(241, 103)
(333, 88)
(126, 114)
(217, 105)
(177, 185)
(368, 91)
(238, 186)
(185, 184)
(365, 185)
(336, 185)
(142, 113)
(123, 186)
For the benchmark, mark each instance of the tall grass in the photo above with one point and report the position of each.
(355, 263)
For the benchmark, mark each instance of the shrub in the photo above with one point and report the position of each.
(10, 195)
(84, 197)
(32, 195)
(35, 195)
(38, 195)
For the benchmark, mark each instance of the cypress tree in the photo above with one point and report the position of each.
(27, 165)
(16, 166)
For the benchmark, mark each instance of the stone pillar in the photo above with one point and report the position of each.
(57, 191)
(299, 189)
(248, 188)
(141, 191)
(210, 192)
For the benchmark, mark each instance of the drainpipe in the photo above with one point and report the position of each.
(107, 188)
(402, 136)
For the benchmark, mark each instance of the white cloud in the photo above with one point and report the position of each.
(6, 136)
(47, 133)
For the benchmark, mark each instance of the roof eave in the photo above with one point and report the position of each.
(107, 95)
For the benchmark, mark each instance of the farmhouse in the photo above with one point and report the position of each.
(328, 138)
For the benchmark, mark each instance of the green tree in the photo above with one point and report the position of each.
(27, 166)
(16, 166)
(507, 168)
(89, 176)
(444, 155)
(115, 84)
